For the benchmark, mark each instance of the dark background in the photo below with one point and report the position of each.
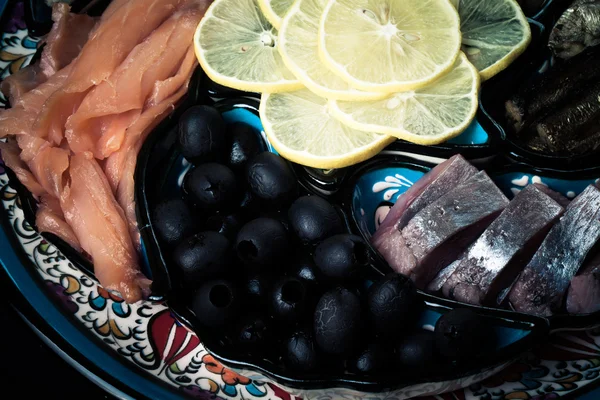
(33, 369)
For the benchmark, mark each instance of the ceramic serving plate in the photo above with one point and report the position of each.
(150, 350)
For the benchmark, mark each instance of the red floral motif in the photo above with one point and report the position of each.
(183, 342)
(282, 394)
(228, 376)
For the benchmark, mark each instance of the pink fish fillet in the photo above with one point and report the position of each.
(108, 46)
(10, 154)
(67, 37)
(100, 226)
(64, 42)
(100, 123)
(49, 218)
(19, 119)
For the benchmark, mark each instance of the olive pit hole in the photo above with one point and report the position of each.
(292, 292)
(247, 250)
(220, 296)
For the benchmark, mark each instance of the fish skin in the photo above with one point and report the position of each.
(577, 29)
(558, 85)
(584, 292)
(562, 131)
(440, 232)
(542, 285)
(497, 257)
(438, 181)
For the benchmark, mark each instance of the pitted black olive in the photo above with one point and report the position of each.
(342, 256)
(338, 322)
(254, 332)
(212, 187)
(262, 242)
(244, 144)
(216, 303)
(391, 301)
(376, 358)
(417, 353)
(272, 180)
(300, 352)
(204, 255)
(173, 221)
(258, 289)
(202, 135)
(313, 219)
(289, 300)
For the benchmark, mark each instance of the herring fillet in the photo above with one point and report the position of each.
(541, 287)
(440, 180)
(496, 258)
(440, 232)
(584, 292)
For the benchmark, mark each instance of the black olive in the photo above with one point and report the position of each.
(258, 289)
(304, 268)
(342, 256)
(254, 332)
(245, 144)
(271, 179)
(262, 242)
(204, 255)
(202, 135)
(300, 353)
(216, 303)
(227, 225)
(417, 353)
(313, 219)
(288, 300)
(391, 302)
(376, 358)
(212, 187)
(462, 334)
(338, 322)
(172, 220)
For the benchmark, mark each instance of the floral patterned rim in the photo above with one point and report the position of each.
(156, 346)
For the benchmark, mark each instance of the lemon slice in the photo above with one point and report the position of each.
(430, 115)
(237, 47)
(494, 33)
(275, 10)
(389, 45)
(300, 127)
(298, 46)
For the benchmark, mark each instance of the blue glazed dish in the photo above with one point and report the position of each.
(363, 193)
(517, 332)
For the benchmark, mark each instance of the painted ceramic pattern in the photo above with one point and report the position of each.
(148, 336)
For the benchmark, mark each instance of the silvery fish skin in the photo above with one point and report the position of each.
(440, 180)
(502, 251)
(584, 293)
(544, 93)
(541, 287)
(440, 232)
(565, 129)
(576, 29)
